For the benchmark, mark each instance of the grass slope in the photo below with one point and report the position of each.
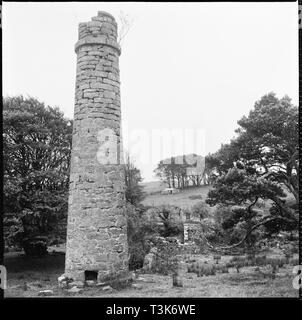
(181, 199)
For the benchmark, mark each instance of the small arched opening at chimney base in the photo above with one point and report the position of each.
(91, 275)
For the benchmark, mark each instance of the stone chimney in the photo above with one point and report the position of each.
(96, 230)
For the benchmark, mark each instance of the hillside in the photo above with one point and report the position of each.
(184, 199)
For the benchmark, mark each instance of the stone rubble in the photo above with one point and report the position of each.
(75, 290)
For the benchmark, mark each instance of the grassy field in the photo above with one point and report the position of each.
(26, 277)
(184, 199)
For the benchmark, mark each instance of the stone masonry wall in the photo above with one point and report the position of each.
(96, 231)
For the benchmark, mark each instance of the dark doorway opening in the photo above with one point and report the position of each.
(91, 275)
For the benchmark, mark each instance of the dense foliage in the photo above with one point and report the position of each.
(138, 231)
(36, 153)
(145, 225)
(134, 191)
(261, 163)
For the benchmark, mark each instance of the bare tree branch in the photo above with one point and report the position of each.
(125, 25)
(263, 222)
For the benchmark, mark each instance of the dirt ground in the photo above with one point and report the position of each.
(26, 277)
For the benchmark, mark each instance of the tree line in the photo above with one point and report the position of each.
(183, 171)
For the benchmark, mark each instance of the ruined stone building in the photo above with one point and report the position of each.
(96, 232)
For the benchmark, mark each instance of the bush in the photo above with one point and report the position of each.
(138, 232)
(223, 268)
(204, 232)
(166, 260)
(206, 270)
(144, 229)
(260, 260)
(291, 248)
(294, 261)
(171, 221)
(33, 232)
(172, 229)
(35, 246)
(202, 269)
(201, 210)
(238, 262)
(137, 254)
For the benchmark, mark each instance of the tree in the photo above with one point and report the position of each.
(268, 141)
(222, 160)
(238, 188)
(170, 216)
(36, 153)
(163, 171)
(134, 191)
(261, 163)
(179, 172)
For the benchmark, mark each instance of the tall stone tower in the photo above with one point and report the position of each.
(96, 230)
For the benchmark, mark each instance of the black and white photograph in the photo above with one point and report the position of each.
(150, 150)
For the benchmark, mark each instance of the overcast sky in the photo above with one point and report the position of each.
(183, 66)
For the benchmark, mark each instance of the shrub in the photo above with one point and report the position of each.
(291, 248)
(200, 210)
(294, 261)
(223, 269)
(237, 262)
(167, 259)
(137, 254)
(260, 260)
(171, 220)
(35, 246)
(204, 232)
(139, 230)
(205, 269)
